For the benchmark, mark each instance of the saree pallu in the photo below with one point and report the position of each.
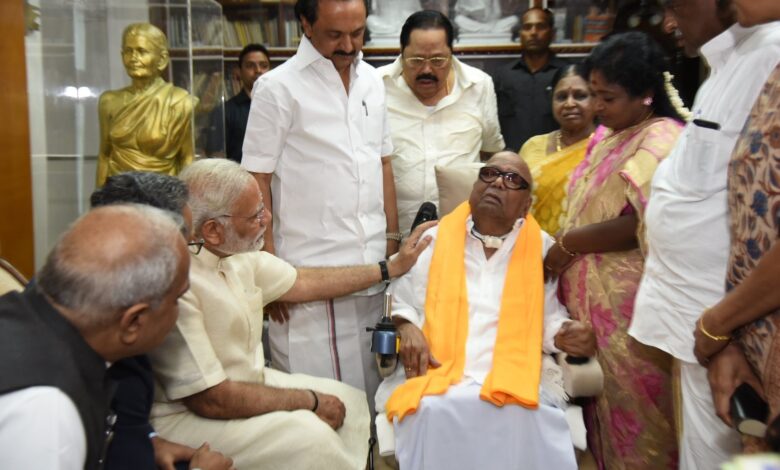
(631, 424)
(151, 132)
(551, 175)
(754, 219)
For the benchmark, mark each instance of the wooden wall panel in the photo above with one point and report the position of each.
(16, 222)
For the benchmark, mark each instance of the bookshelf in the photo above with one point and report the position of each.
(195, 38)
(268, 22)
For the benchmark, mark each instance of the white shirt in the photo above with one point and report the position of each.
(40, 427)
(452, 132)
(324, 148)
(485, 285)
(687, 214)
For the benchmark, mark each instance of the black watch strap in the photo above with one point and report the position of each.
(385, 272)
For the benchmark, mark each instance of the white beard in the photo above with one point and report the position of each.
(234, 244)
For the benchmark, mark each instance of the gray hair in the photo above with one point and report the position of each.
(111, 258)
(215, 185)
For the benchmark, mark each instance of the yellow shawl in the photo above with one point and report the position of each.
(514, 377)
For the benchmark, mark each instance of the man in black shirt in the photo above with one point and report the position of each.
(522, 89)
(253, 61)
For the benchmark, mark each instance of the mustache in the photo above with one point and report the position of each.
(345, 53)
(427, 76)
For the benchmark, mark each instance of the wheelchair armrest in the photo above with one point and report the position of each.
(581, 380)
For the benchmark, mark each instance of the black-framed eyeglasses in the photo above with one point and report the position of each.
(195, 247)
(512, 180)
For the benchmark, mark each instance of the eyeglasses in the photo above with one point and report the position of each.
(259, 216)
(437, 62)
(195, 247)
(512, 180)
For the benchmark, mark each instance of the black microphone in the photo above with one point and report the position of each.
(427, 212)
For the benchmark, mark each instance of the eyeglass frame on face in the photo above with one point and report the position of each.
(196, 246)
(422, 60)
(259, 216)
(505, 175)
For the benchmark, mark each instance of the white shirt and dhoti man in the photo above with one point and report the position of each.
(688, 232)
(458, 429)
(218, 337)
(324, 148)
(453, 132)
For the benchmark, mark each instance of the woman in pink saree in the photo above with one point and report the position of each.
(599, 254)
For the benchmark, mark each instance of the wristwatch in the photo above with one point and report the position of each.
(384, 271)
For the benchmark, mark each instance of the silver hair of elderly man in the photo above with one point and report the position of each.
(98, 295)
(215, 185)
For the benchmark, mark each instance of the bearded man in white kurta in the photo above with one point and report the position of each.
(212, 383)
(473, 329)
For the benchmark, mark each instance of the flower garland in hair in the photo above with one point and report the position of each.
(674, 97)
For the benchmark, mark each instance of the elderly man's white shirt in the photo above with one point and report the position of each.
(518, 437)
(40, 427)
(452, 132)
(324, 148)
(687, 214)
(485, 285)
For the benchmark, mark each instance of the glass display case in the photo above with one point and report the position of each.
(73, 58)
(582, 21)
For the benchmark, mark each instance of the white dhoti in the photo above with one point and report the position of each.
(459, 430)
(284, 439)
(329, 339)
(706, 440)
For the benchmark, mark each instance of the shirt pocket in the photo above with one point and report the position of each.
(704, 163)
(466, 139)
(372, 119)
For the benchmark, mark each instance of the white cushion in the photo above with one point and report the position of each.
(455, 183)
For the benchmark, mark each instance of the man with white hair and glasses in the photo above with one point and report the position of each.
(213, 383)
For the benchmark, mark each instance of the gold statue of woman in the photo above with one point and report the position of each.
(146, 126)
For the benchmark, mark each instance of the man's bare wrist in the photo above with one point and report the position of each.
(392, 268)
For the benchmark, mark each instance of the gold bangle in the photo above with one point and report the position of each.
(710, 335)
(559, 241)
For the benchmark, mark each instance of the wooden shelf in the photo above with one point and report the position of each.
(197, 52)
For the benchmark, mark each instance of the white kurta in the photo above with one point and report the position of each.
(218, 337)
(324, 148)
(452, 132)
(458, 430)
(688, 233)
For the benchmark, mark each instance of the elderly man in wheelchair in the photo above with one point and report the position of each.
(478, 325)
